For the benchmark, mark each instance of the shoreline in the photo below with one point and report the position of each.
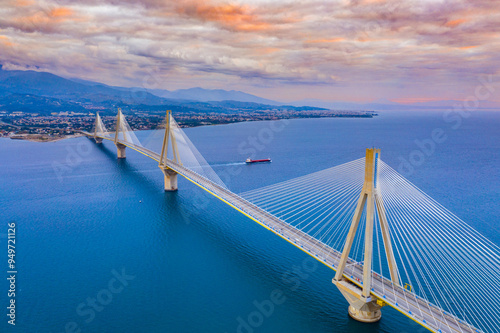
(41, 138)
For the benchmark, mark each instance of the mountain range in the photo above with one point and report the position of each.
(33, 91)
(213, 95)
(42, 92)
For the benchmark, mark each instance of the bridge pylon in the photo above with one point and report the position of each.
(97, 125)
(169, 137)
(363, 306)
(119, 147)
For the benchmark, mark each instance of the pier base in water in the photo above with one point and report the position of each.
(121, 150)
(361, 308)
(365, 316)
(170, 179)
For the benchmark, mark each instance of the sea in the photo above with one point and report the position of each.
(100, 247)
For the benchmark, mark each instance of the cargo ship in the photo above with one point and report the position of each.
(249, 160)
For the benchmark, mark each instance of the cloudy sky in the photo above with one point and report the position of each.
(351, 50)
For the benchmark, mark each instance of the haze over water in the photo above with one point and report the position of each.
(198, 265)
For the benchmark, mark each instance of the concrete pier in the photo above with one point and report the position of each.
(361, 308)
(121, 150)
(364, 316)
(170, 179)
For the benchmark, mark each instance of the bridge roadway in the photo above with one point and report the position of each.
(408, 303)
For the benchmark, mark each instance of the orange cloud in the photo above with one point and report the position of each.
(411, 100)
(233, 16)
(42, 18)
(454, 23)
(268, 50)
(333, 40)
(468, 47)
(61, 12)
(22, 3)
(6, 41)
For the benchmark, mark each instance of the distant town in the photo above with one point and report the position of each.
(59, 125)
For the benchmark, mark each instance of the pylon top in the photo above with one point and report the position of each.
(371, 167)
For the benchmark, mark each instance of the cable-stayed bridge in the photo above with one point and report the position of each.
(388, 242)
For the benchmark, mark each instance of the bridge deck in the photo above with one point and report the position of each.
(416, 308)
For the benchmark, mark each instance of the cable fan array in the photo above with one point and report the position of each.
(125, 132)
(439, 257)
(320, 204)
(443, 258)
(99, 129)
(188, 155)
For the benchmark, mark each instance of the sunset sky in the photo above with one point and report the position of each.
(406, 51)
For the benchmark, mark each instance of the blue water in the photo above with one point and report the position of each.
(198, 265)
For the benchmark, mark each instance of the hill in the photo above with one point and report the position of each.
(41, 92)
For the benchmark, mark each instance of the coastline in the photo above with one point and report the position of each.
(47, 138)
(42, 138)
